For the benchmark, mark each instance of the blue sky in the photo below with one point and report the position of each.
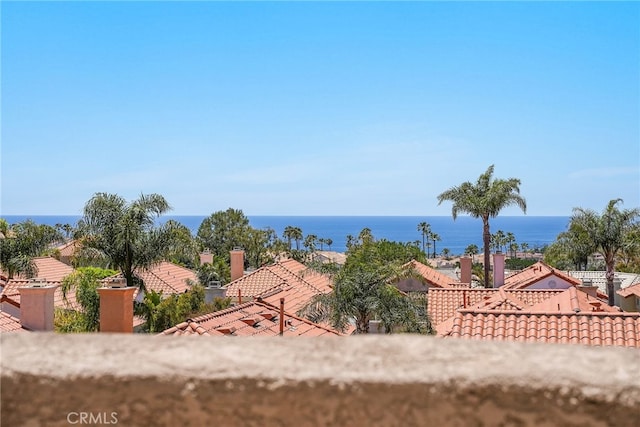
(327, 108)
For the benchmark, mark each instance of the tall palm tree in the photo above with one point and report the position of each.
(288, 234)
(126, 233)
(435, 237)
(607, 231)
(297, 236)
(425, 229)
(484, 199)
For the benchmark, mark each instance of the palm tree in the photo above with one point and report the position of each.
(126, 233)
(329, 242)
(510, 241)
(425, 229)
(435, 238)
(322, 241)
(297, 236)
(310, 242)
(525, 248)
(362, 293)
(607, 232)
(484, 199)
(21, 243)
(472, 250)
(288, 234)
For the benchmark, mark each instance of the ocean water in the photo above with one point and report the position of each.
(536, 231)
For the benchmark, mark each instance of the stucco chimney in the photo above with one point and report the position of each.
(498, 269)
(116, 307)
(36, 305)
(589, 288)
(212, 291)
(206, 257)
(465, 269)
(237, 264)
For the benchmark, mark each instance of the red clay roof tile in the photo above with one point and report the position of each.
(231, 322)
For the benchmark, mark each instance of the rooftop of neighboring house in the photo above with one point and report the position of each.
(571, 300)
(9, 323)
(598, 278)
(630, 290)
(67, 249)
(443, 303)
(165, 277)
(535, 273)
(288, 276)
(591, 328)
(432, 277)
(330, 256)
(249, 319)
(47, 268)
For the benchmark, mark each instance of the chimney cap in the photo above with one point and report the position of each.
(38, 282)
(117, 282)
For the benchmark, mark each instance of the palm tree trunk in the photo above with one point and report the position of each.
(610, 274)
(486, 240)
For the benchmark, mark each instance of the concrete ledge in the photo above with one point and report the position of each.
(134, 380)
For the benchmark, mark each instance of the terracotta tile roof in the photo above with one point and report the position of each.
(572, 300)
(534, 274)
(11, 294)
(434, 277)
(599, 329)
(249, 319)
(49, 268)
(67, 249)
(443, 303)
(285, 276)
(9, 323)
(164, 277)
(630, 290)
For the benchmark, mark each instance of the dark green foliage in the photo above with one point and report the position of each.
(364, 291)
(518, 263)
(126, 233)
(162, 313)
(85, 281)
(21, 243)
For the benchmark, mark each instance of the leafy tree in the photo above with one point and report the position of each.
(126, 233)
(162, 312)
(629, 260)
(223, 231)
(484, 199)
(571, 249)
(425, 229)
(607, 232)
(183, 248)
(446, 253)
(85, 281)
(364, 290)
(21, 243)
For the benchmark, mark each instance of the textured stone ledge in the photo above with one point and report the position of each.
(375, 380)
